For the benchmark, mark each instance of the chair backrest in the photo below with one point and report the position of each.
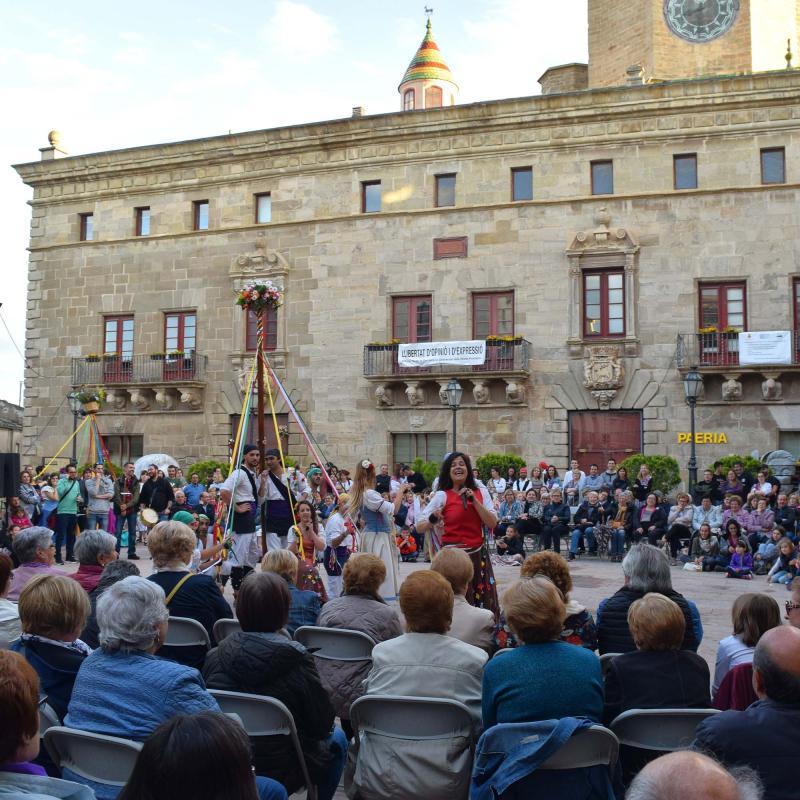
(662, 729)
(47, 718)
(225, 627)
(335, 644)
(410, 717)
(605, 661)
(105, 759)
(588, 747)
(264, 716)
(502, 650)
(186, 632)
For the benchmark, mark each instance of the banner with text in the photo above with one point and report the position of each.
(765, 347)
(428, 354)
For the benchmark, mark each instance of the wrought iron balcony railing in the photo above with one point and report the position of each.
(718, 349)
(141, 370)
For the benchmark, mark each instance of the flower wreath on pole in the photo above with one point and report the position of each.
(258, 297)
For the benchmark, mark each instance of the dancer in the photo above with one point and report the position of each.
(308, 531)
(465, 509)
(378, 536)
(276, 513)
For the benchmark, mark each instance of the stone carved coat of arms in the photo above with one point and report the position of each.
(603, 373)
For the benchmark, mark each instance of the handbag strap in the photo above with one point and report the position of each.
(175, 588)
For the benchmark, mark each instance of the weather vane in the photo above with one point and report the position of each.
(428, 11)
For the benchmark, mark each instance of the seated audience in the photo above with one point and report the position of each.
(706, 489)
(114, 571)
(792, 605)
(733, 486)
(543, 678)
(259, 659)
(470, 624)
(53, 611)
(510, 545)
(767, 552)
(760, 523)
(305, 605)
(122, 689)
(785, 515)
(10, 628)
(646, 569)
(203, 756)
(736, 512)
(679, 520)
(360, 608)
(785, 568)
(621, 522)
(171, 545)
(589, 515)
(35, 551)
(708, 513)
(765, 735)
(752, 616)
(658, 674)
(425, 662)
(94, 549)
(692, 776)
(651, 521)
(19, 737)
(741, 563)
(555, 518)
(704, 549)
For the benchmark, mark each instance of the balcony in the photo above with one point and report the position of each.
(720, 352)
(145, 382)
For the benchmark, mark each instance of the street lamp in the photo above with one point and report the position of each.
(75, 406)
(692, 389)
(454, 392)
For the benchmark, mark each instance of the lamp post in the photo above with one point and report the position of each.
(692, 389)
(75, 407)
(454, 392)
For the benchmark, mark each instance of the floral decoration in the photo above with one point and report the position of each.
(94, 395)
(259, 297)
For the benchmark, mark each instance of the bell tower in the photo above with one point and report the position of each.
(674, 39)
(428, 82)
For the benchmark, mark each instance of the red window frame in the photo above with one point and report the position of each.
(434, 97)
(183, 317)
(409, 100)
(437, 192)
(118, 322)
(601, 163)
(413, 302)
(604, 289)
(270, 330)
(140, 218)
(494, 316)
(118, 339)
(196, 208)
(365, 186)
(86, 226)
(796, 302)
(721, 289)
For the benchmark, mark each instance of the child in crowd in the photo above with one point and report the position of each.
(510, 546)
(406, 545)
(767, 552)
(705, 549)
(741, 564)
(784, 570)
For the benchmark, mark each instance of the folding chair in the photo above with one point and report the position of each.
(605, 661)
(661, 729)
(186, 632)
(589, 747)
(265, 716)
(407, 729)
(225, 627)
(335, 644)
(47, 718)
(93, 756)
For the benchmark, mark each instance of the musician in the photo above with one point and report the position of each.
(276, 513)
(246, 490)
(126, 508)
(157, 493)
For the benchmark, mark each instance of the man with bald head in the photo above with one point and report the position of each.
(765, 735)
(692, 776)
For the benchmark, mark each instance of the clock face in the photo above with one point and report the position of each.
(700, 21)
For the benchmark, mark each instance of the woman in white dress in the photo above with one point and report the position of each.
(378, 534)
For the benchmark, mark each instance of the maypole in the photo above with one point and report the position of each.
(262, 442)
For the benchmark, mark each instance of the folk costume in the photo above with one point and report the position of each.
(308, 578)
(378, 537)
(276, 512)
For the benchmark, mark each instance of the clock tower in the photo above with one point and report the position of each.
(674, 39)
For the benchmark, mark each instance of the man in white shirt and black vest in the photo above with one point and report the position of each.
(245, 489)
(276, 513)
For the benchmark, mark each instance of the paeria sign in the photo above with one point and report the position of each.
(428, 354)
(703, 437)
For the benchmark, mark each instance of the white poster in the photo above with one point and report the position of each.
(765, 347)
(427, 354)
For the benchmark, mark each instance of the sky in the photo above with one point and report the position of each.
(109, 76)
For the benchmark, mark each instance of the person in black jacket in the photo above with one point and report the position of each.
(157, 493)
(260, 660)
(708, 487)
(589, 515)
(555, 519)
(651, 521)
(646, 569)
(112, 572)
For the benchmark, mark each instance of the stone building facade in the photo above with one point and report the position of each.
(550, 225)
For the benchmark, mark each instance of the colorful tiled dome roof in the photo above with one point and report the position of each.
(428, 63)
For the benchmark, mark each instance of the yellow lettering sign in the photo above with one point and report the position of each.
(703, 437)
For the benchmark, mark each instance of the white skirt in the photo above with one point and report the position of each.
(383, 545)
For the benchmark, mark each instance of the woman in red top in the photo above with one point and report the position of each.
(307, 529)
(466, 509)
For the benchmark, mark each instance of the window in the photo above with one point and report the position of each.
(522, 183)
(723, 305)
(270, 331)
(445, 190)
(433, 97)
(603, 304)
(411, 318)
(201, 215)
(427, 446)
(118, 337)
(370, 197)
(87, 227)
(263, 208)
(492, 314)
(773, 165)
(143, 221)
(409, 101)
(124, 448)
(180, 332)
(602, 177)
(684, 171)
(796, 300)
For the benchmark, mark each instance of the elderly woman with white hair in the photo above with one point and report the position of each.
(646, 569)
(94, 549)
(35, 551)
(123, 689)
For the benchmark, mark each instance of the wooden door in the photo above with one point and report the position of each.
(596, 436)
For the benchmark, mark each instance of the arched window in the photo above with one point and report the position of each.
(408, 100)
(433, 97)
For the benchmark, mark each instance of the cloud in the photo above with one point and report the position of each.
(297, 32)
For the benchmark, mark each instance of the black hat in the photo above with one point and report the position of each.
(248, 448)
(273, 451)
